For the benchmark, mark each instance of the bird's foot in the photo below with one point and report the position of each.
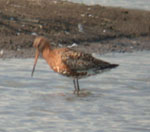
(76, 92)
(82, 93)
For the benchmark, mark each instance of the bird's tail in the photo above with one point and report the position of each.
(113, 65)
(108, 66)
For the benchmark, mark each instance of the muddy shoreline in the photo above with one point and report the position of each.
(90, 29)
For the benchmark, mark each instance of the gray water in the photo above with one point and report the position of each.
(115, 101)
(133, 4)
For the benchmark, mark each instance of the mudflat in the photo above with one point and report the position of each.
(89, 28)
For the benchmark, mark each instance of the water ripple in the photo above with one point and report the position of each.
(117, 100)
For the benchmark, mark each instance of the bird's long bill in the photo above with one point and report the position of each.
(35, 61)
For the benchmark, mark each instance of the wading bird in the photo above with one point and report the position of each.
(69, 62)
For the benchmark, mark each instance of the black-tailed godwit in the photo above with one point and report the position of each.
(69, 62)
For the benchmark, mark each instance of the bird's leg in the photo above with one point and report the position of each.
(75, 86)
(78, 88)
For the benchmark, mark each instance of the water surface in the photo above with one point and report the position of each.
(117, 101)
(133, 4)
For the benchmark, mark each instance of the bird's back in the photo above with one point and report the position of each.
(83, 63)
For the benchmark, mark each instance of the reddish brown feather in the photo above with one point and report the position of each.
(69, 62)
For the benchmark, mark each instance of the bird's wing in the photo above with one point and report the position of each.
(79, 61)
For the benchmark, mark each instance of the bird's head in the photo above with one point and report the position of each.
(40, 43)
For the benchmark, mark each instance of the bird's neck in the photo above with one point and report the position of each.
(46, 53)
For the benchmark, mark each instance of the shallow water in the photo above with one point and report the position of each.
(133, 4)
(115, 101)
